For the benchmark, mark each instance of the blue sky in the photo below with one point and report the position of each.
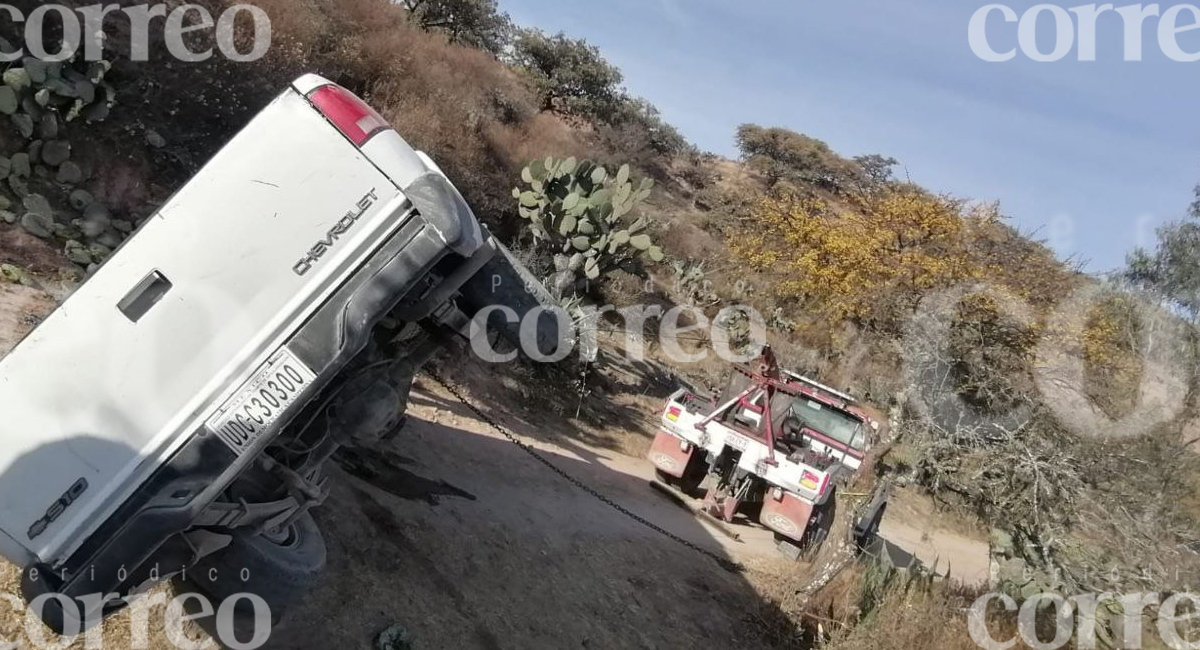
(1090, 155)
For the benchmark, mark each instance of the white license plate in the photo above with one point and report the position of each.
(261, 401)
(737, 442)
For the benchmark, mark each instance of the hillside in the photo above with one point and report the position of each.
(1048, 407)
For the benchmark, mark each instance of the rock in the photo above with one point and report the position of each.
(81, 199)
(24, 124)
(43, 172)
(99, 252)
(122, 225)
(155, 140)
(8, 100)
(36, 68)
(8, 217)
(17, 78)
(90, 229)
(56, 152)
(37, 225)
(77, 253)
(12, 274)
(38, 204)
(18, 185)
(21, 165)
(5, 202)
(69, 174)
(48, 126)
(110, 239)
(394, 638)
(96, 211)
(35, 152)
(65, 231)
(5, 167)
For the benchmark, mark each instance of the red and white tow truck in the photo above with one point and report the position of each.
(775, 447)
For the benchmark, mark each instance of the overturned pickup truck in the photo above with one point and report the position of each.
(774, 447)
(177, 411)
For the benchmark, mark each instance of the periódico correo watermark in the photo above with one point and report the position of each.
(84, 31)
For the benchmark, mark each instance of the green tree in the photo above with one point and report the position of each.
(569, 75)
(784, 155)
(476, 23)
(1172, 269)
(646, 128)
(876, 170)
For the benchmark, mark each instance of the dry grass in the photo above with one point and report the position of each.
(120, 631)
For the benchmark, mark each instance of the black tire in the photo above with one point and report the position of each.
(277, 567)
(819, 527)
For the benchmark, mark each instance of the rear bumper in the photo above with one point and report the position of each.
(142, 539)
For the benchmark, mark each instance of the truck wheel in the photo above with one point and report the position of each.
(278, 566)
(819, 526)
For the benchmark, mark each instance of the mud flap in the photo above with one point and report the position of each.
(669, 455)
(788, 516)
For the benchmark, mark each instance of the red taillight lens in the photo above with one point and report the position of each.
(351, 115)
(810, 480)
(673, 413)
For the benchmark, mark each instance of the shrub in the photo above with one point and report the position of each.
(569, 75)
(782, 155)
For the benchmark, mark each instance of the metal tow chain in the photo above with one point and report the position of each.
(725, 563)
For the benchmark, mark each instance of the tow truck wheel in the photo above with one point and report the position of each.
(819, 526)
(277, 566)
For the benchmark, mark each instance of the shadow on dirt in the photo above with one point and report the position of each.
(384, 472)
(534, 562)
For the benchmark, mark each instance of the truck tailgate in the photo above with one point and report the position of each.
(113, 381)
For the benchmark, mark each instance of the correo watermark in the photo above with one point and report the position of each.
(1075, 29)
(84, 31)
(230, 624)
(1076, 619)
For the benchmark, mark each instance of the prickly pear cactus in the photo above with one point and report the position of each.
(586, 214)
(692, 281)
(737, 325)
(40, 99)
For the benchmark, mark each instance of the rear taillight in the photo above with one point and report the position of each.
(673, 413)
(810, 480)
(351, 115)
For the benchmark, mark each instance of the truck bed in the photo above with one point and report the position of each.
(117, 378)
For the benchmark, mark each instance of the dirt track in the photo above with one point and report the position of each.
(469, 543)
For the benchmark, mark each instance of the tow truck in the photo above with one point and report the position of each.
(774, 447)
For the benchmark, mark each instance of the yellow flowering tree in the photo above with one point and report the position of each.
(864, 265)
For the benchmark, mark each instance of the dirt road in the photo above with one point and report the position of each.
(461, 538)
(468, 543)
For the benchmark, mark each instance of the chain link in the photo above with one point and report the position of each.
(724, 562)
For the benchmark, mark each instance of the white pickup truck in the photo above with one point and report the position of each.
(177, 410)
(773, 447)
